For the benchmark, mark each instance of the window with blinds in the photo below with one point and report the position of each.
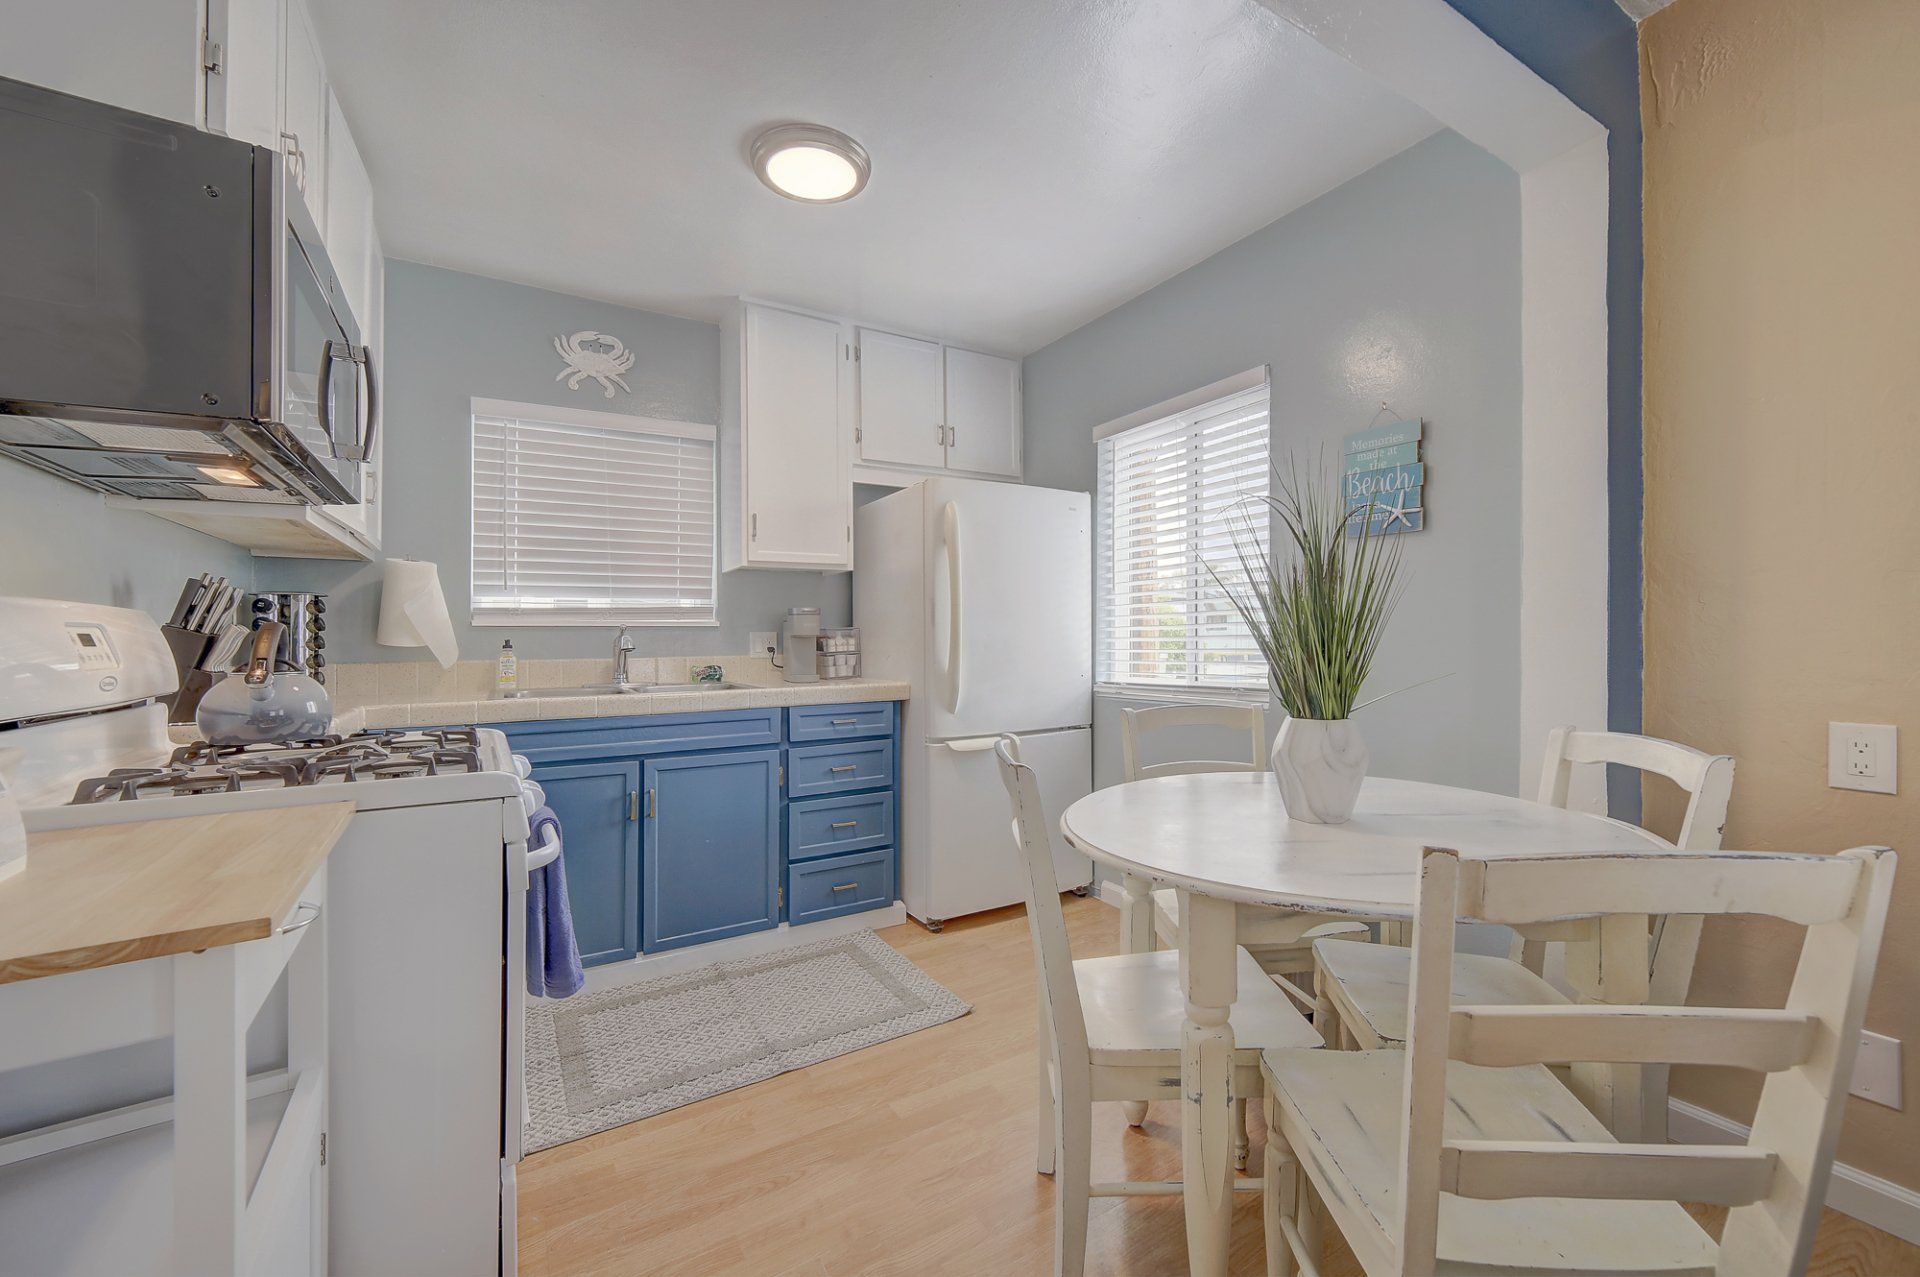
(1171, 493)
(590, 518)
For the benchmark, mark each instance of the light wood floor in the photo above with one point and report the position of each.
(913, 1157)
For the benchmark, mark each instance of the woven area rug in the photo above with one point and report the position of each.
(599, 1060)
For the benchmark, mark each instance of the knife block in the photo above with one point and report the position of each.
(189, 648)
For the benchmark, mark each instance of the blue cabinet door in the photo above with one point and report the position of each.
(711, 854)
(598, 806)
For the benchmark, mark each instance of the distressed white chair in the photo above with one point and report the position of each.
(1110, 1029)
(1463, 1154)
(1280, 940)
(1362, 989)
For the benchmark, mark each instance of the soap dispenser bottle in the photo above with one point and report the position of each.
(507, 680)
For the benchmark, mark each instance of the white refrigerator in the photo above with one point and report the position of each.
(980, 596)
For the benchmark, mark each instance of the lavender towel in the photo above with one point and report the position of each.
(553, 955)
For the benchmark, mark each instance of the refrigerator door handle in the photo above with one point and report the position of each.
(950, 534)
(972, 745)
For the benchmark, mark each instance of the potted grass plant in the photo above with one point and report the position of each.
(1316, 595)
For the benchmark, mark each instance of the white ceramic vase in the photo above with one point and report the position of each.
(1319, 764)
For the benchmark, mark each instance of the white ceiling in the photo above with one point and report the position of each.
(1034, 164)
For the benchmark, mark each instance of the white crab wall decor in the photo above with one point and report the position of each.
(601, 356)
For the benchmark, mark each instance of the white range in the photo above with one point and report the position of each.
(426, 916)
(980, 595)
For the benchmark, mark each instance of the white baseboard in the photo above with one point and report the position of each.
(1110, 893)
(1885, 1205)
(651, 966)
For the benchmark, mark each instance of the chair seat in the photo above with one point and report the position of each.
(1254, 925)
(1135, 1007)
(1342, 1112)
(1368, 986)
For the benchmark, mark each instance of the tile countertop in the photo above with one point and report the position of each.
(376, 696)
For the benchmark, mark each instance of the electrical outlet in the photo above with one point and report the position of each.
(1863, 756)
(760, 643)
(1876, 1069)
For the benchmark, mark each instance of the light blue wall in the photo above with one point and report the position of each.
(1402, 285)
(451, 337)
(60, 541)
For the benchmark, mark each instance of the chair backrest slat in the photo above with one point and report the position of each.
(1046, 922)
(1522, 889)
(1776, 1183)
(1135, 724)
(1719, 1176)
(1503, 1036)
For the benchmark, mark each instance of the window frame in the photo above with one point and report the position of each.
(553, 415)
(1192, 409)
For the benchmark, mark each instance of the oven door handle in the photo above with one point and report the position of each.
(546, 855)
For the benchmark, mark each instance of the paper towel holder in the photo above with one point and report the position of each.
(413, 610)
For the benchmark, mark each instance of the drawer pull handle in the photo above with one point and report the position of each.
(848, 886)
(843, 722)
(299, 923)
(844, 767)
(844, 824)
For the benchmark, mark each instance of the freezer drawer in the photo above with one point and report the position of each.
(960, 857)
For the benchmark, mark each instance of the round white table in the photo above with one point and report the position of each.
(1223, 838)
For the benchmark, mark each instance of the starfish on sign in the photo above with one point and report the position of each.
(1398, 512)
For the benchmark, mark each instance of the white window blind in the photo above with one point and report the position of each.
(1170, 494)
(590, 518)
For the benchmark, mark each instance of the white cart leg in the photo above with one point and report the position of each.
(209, 1114)
(1207, 953)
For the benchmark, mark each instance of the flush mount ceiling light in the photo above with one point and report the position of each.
(811, 163)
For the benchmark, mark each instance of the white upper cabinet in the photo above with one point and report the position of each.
(983, 413)
(303, 112)
(902, 408)
(140, 55)
(243, 78)
(354, 248)
(786, 482)
(925, 407)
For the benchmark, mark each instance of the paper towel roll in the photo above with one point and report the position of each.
(413, 611)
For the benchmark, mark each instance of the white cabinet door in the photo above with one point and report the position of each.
(303, 113)
(349, 215)
(795, 419)
(902, 403)
(143, 55)
(983, 413)
(243, 95)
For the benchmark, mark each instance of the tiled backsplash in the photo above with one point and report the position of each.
(415, 682)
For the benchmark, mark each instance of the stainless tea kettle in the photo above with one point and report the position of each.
(260, 704)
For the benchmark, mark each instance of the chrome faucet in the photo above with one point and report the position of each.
(622, 647)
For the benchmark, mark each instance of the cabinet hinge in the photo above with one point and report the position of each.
(783, 775)
(858, 434)
(212, 56)
(323, 1148)
(780, 896)
(856, 354)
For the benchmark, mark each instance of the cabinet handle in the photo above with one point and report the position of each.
(848, 886)
(299, 923)
(753, 527)
(844, 767)
(843, 722)
(633, 804)
(844, 824)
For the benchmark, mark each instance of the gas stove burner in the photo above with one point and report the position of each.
(378, 754)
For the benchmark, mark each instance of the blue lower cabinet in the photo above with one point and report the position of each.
(828, 826)
(710, 855)
(598, 806)
(836, 885)
(837, 768)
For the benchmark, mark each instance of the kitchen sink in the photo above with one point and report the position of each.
(616, 689)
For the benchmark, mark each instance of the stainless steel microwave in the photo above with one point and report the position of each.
(170, 325)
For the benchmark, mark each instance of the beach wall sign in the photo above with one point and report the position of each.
(1382, 471)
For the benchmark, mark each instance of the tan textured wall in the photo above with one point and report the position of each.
(1783, 459)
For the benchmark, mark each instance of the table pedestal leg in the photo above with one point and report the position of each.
(1206, 1079)
(1613, 968)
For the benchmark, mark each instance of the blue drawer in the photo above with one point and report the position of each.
(828, 826)
(839, 722)
(839, 768)
(836, 885)
(567, 739)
